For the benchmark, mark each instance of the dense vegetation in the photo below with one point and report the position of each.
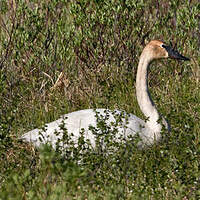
(61, 56)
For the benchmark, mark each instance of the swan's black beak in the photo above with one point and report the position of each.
(174, 53)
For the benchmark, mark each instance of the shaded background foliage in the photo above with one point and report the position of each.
(61, 56)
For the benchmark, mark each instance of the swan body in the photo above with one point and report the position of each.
(149, 130)
(82, 120)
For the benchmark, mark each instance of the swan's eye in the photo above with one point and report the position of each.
(167, 48)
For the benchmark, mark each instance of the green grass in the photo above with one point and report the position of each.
(96, 45)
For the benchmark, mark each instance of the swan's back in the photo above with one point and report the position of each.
(86, 121)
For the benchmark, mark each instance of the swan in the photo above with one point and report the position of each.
(80, 122)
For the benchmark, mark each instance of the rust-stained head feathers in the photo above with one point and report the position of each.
(157, 49)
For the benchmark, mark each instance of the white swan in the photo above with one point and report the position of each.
(149, 130)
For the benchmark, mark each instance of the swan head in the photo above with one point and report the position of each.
(157, 49)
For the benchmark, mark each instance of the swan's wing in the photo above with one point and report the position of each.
(83, 121)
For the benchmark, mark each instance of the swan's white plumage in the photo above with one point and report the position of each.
(149, 130)
(80, 120)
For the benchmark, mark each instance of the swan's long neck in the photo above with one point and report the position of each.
(144, 99)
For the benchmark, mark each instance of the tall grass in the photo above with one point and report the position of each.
(61, 56)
